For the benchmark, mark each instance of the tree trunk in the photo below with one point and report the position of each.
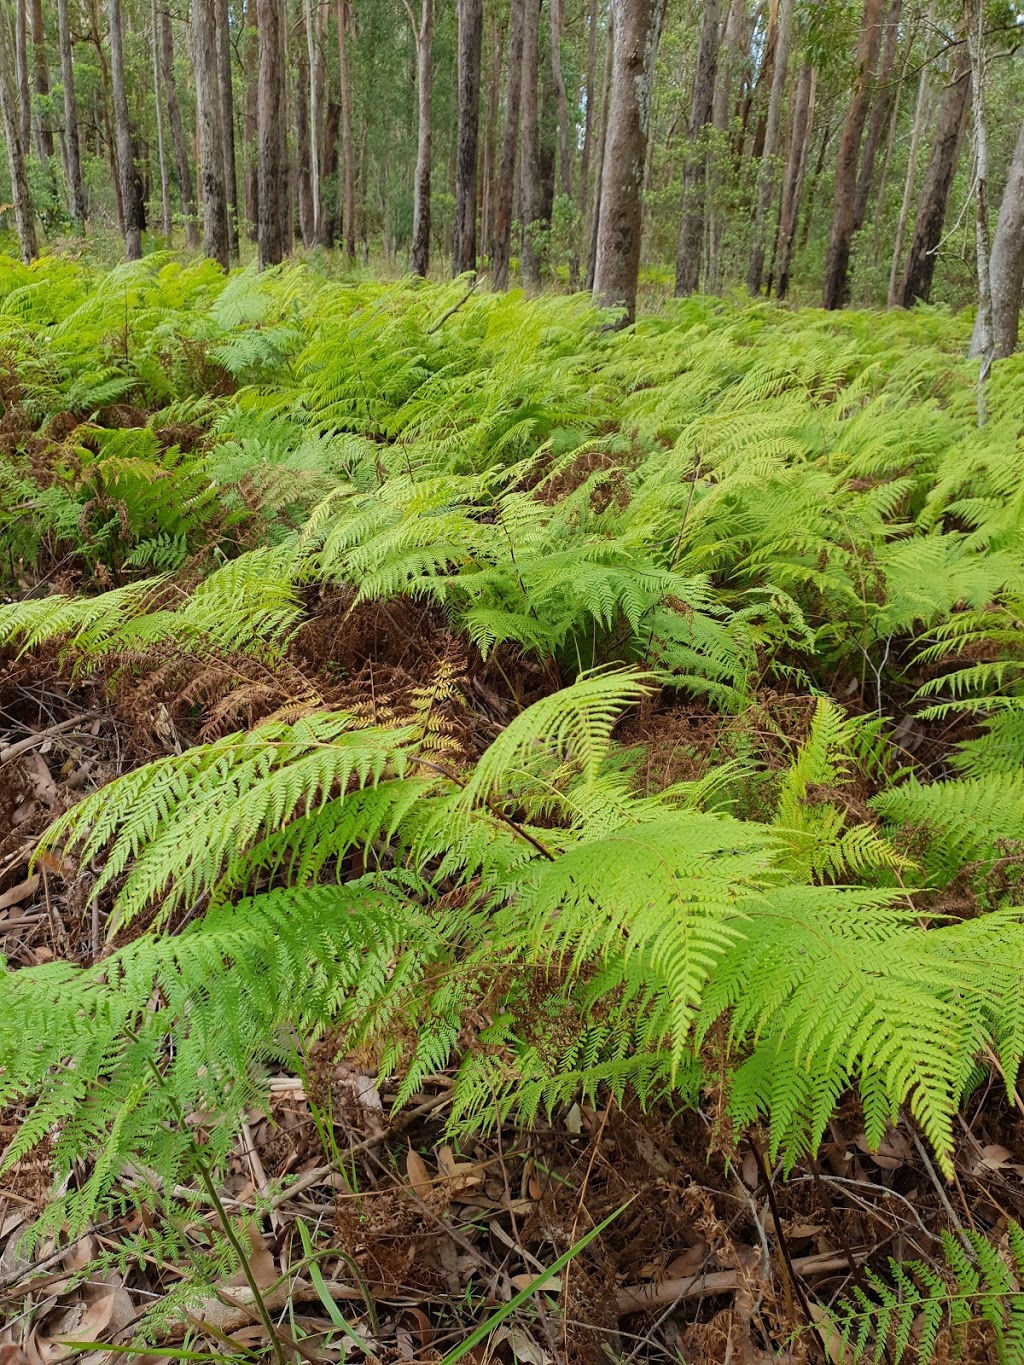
(982, 343)
(564, 145)
(347, 150)
(616, 273)
(130, 195)
(270, 116)
(796, 166)
(226, 120)
(181, 161)
(588, 113)
(250, 157)
(602, 144)
(529, 158)
(23, 214)
(44, 134)
(488, 156)
(844, 200)
(312, 51)
(165, 197)
(1006, 267)
(691, 219)
(509, 146)
(881, 103)
(728, 64)
(773, 126)
(425, 94)
(76, 186)
(108, 127)
(471, 33)
(950, 124)
(303, 177)
(21, 65)
(209, 108)
(920, 114)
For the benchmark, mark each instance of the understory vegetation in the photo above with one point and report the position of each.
(596, 717)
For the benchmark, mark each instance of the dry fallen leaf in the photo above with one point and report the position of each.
(418, 1172)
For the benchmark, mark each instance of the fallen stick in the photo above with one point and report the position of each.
(637, 1298)
(22, 746)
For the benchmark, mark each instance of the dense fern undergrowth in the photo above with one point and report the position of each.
(783, 530)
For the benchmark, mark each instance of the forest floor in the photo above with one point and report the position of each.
(369, 1232)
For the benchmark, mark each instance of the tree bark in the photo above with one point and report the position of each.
(23, 213)
(509, 147)
(637, 30)
(982, 343)
(564, 144)
(165, 197)
(488, 155)
(303, 176)
(312, 50)
(602, 144)
(130, 195)
(844, 200)
(424, 35)
(529, 157)
(1006, 266)
(880, 106)
(691, 219)
(21, 66)
(916, 282)
(108, 126)
(44, 134)
(226, 99)
(471, 33)
(768, 176)
(347, 150)
(73, 155)
(796, 166)
(588, 113)
(209, 110)
(270, 116)
(729, 62)
(182, 165)
(250, 159)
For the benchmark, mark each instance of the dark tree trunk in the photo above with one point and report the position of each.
(1006, 265)
(773, 129)
(562, 109)
(509, 146)
(270, 118)
(690, 242)
(796, 165)
(165, 197)
(844, 200)
(44, 134)
(637, 30)
(916, 282)
(588, 112)
(182, 164)
(880, 106)
(216, 237)
(424, 94)
(23, 214)
(226, 98)
(471, 33)
(21, 67)
(73, 155)
(303, 178)
(251, 159)
(529, 156)
(130, 195)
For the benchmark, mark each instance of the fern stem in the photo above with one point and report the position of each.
(498, 815)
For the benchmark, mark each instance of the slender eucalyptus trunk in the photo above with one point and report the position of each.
(690, 242)
(182, 164)
(425, 93)
(800, 135)
(768, 177)
(602, 143)
(529, 158)
(21, 67)
(562, 107)
(216, 236)
(844, 200)
(982, 343)
(73, 155)
(881, 103)
(1006, 266)
(250, 158)
(303, 179)
(509, 147)
(105, 103)
(728, 65)
(23, 213)
(616, 273)
(44, 134)
(165, 196)
(226, 99)
(347, 149)
(270, 119)
(130, 195)
(471, 33)
(316, 199)
(920, 114)
(588, 114)
(950, 124)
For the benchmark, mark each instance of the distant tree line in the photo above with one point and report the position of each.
(850, 149)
